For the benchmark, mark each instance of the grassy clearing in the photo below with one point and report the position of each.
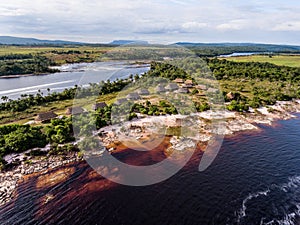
(59, 55)
(4, 50)
(280, 60)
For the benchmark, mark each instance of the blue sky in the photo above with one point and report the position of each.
(158, 21)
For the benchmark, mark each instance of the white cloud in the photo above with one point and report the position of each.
(234, 25)
(12, 12)
(228, 26)
(287, 26)
(156, 19)
(194, 25)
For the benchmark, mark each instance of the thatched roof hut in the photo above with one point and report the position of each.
(133, 96)
(183, 90)
(99, 105)
(172, 87)
(160, 89)
(143, 92)
(188, 84)
(179, 81)
(45, 117)
(74, 110)
(201, 87)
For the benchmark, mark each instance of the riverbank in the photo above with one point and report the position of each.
(199, 126)
(9, 179)
(144, 129)
(25, 75)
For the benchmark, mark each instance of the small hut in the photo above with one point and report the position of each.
(74, 110)
(183, 90)
(99, 105)
(120, 101)
(172, 87)
(160, 89)
(201, 87)
(133, 96)
(143, 92)
(45, 117)
(188, 84)
(179, 81)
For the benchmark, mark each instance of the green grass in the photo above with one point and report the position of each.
(280, 60)
(87, 53)
(4, 50)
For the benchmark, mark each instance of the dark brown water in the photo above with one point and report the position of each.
(255, 179)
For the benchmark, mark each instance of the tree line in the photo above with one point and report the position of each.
(25, 64)
(225, 69)
(19, 138)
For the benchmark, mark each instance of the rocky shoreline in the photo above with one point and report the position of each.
(141, 129)
(200, 126)
(10, 178)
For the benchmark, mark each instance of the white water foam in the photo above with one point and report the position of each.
(289, 218)
(242, 212)
(34, 87)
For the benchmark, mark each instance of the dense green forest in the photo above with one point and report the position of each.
(252, 84)
(255, 84)
(24, 64)
(19, 138)
(224, 69)
(216, 49)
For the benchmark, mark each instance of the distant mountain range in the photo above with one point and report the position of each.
(259, 47)
(8, 40)
(127, 42)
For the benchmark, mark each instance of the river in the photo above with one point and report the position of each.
(255, 179)
(242, 54)
(72, 74)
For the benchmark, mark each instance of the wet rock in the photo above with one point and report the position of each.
(9, 179)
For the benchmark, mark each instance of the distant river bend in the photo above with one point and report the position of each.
(72, 74)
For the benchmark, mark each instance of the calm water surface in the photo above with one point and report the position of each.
(255, 179)
(240, 54)
(73, 74)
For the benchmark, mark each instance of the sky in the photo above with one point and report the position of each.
(156, 21)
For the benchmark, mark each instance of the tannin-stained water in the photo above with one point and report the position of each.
(255, 179)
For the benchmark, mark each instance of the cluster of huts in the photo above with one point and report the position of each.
(76, 110)
(183, 86)
(186, 85)
(179, 85)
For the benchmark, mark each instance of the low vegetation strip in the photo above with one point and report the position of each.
(279, 60)
(25, 64)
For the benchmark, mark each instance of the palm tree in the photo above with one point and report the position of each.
(4, 98)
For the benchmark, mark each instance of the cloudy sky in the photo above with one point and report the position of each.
(158, 21)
